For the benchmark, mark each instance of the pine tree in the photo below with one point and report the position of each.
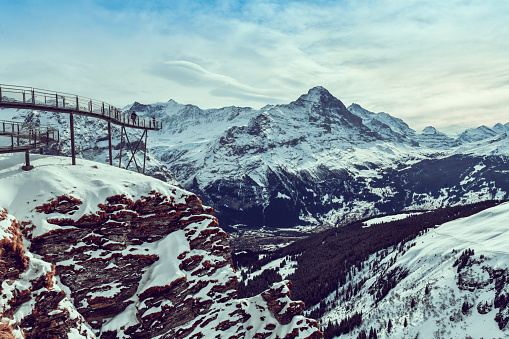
(389, 326)
(406, 323)
(362, 335)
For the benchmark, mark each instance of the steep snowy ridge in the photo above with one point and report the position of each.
(390, 128)
(450, 282)
(477, 134)
(95, 251)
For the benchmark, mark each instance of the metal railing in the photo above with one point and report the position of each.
(44, 99)
(25, 136)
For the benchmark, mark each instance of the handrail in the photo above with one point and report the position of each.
(27, 136)
(13, 95)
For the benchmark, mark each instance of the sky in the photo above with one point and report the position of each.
(439, 63)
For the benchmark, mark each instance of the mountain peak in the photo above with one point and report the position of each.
(430, 130)
(317, 94)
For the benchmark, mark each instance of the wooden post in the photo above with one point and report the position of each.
(73, 153)
(109, 141)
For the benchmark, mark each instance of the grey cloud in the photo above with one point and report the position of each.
(188, 74)
(192, 75)
(240, 93)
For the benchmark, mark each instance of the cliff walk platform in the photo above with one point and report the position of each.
(20, 97)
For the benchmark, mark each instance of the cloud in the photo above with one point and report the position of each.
(428, 62)
(189, 74)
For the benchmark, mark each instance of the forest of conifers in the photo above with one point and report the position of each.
(326, 259)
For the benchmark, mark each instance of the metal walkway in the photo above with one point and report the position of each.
(25, 137)
(21, 97)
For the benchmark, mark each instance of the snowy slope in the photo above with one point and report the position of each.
(132, 256)
(386, 125)
(448, 283)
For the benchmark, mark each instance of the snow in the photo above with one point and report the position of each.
(284, 271)
(388, 218)
(429, 259)
(53, 176)
(282, 196)
(166, 270)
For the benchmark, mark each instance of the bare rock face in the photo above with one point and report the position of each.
(31, 303)
(154, 266)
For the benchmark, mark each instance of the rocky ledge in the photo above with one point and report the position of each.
(135, 265)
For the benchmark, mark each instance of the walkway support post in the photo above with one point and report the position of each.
(109, 142)
(145, 153)
(121, 144)
(27, 166)
(73, 153)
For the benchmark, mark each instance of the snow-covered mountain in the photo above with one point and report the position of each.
(432, 138)
(312, 161)
(389, 127)
(93, 251)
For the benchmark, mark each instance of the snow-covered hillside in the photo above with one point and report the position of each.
(451, 282)
(95, 251)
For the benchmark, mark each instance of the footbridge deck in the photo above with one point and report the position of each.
(21, 97)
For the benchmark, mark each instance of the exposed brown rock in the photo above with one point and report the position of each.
(275, 301)
(6, 331)
(102, 257)
(47, 318)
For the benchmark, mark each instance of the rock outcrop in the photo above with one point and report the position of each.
(32, 303)
(147, 261)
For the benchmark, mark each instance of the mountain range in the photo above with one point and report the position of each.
(95, 251)
(313, 161)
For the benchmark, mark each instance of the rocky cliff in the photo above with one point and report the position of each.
(93, 251)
